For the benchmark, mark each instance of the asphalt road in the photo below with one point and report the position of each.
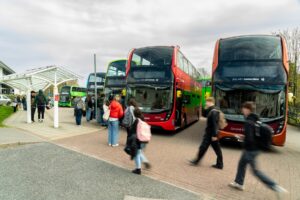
(46, 171)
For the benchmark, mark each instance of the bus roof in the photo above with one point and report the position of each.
(248, 36)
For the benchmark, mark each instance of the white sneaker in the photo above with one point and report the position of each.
(237, 186)
(280, 191)
(115, 145)
(109, 145)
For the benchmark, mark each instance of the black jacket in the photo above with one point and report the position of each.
(133, 143)
(212, 121)
(250, 143)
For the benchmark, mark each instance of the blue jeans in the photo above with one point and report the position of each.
(113, 132)
(88, 114)
(140, 157)
(249, 157)
(78, 116)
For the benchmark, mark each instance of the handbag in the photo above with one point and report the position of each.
(106, 115)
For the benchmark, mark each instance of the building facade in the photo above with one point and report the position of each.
(5, 70)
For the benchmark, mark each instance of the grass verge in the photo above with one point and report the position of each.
(5, 112)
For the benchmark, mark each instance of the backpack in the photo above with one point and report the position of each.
(143, 131)
(263, 135)
(128, 118)
(222, 123)
(41, 100)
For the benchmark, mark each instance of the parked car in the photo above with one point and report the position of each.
(4, 100)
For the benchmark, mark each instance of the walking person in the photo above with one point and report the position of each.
(211, 135)
(129, 117)
(79, 107)
(40, 102)
(137, 146)
(24, 103)
(33, 105)
(250, 153)
(100, 110)
(89, 107)
(116, 113)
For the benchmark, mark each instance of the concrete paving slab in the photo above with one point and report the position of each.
(14, 136)
(45, 171)
(67, 126)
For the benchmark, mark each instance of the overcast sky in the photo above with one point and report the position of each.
(66, 33)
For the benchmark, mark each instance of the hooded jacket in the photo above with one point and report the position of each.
(212, 121)
(250, 143)
(40, 99)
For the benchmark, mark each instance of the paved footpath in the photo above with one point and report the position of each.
(170, 154)
(45, 130)
(48, 172)
(13, 136)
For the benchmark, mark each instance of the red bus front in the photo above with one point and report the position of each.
(251, 68)
(167, 95)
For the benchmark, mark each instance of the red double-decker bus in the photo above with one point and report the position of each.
(163, 82)
(252, 68)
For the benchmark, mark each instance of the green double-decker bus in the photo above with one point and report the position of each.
(206, 89)
(68, 93)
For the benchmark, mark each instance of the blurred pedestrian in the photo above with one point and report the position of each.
(79, 107)
(129, 117)
(89, 107)
(24, 102)
(136, 146)
(33, 105)
(211, 135)
(116, 113)
(41, 102)
(250, 153)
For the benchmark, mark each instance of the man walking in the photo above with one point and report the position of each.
(251, 152)
(210, 136)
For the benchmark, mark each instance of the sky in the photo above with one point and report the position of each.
(67, 33)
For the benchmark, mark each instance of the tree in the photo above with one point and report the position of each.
(292, 38)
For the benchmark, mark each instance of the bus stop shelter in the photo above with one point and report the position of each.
(40, 79)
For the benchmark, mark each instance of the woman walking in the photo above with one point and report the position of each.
(129, 117)
(116, 112)
(136, 145)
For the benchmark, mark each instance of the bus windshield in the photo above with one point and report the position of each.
(252, 48)
(251, 59)
(117, 68)
(65, 90)
(269, 106)
(151, 64)
(152, 98)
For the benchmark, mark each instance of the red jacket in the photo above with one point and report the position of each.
(116, 110)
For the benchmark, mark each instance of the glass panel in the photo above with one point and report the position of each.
(250, 48)
(268, 105)
(151, 98)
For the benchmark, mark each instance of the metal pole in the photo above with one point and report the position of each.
(28, 101)
(96, 97)
(55, 96)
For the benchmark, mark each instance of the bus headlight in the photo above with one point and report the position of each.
(280, 127)
(168, 115)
